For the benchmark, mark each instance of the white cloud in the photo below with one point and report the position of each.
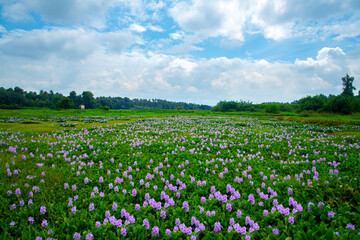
(16, 12)
(62, 42)
(211, 19)
(275, 19)
(2, 29)
(145, 74)
(137, 28)
(155, 28)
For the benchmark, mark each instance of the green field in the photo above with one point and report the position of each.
(178, 174)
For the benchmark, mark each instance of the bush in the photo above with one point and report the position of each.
(343, 104)
(272, 108)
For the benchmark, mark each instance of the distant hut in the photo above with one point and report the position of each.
(82, 106)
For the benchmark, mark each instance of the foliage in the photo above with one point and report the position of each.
(348, 87)
(17, 97)
(199, 177)
(272, 108)
(65, 103)
(313, 103)
(343, 104)
(231, 106)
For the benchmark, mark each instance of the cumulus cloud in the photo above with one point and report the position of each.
(273, 18)
(146, 74)
(63, 42)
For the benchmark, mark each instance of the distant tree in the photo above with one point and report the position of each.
(65, 103)
(313, 103)
(272, 108)
(348, 88)
(88, 99)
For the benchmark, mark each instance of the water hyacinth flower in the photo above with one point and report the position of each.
(331, 214)
(42, 210)
(217, 227)
(137, 207)
(31, 220)
(123, 231)
(89, 236)
(186, 206)
(238, 213)
(350, 226)
(155, 231)
(146, 223)
(228, 207)
(44, 223)
(134, 192)
(291, 220)
(163, 214)
(114, 206)
(97, 224)
(91, 207)
(73, 210)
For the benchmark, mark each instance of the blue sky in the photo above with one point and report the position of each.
(200, 51)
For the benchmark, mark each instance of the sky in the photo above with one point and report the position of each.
(196, 51)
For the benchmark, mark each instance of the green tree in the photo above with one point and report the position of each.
(348, 88)
(88, 99)
(65, 103)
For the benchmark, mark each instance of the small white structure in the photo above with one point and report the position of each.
(82, 106)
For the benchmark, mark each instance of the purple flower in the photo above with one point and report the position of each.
(17, 191)
(123, 231)
(146, 223)
(229, 207)
(331, 214)
(291, 220)
(203, 199)
(44, 223)
(217, 227)
(31, 220)
(238, 213)
(77, 236)
(163, 214)
(275, 231)
(168, 232)
(137, 207)
(12, 223)
(114, 206)
(91, 207)
(89, 236)
(42, 210)
(98, 224)
(251, 199)
(266, 212)
(134, 192)
(73, 210)
(350, 226)
(186, 206)
(155, 231)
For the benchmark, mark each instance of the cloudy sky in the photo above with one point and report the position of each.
(199, 51)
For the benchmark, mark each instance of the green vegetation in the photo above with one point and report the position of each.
(18, 98)
(345, 103)
(118, 174)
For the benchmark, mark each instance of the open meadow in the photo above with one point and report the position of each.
(97, 174)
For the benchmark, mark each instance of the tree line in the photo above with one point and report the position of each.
(16, 98)
(344, 103)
